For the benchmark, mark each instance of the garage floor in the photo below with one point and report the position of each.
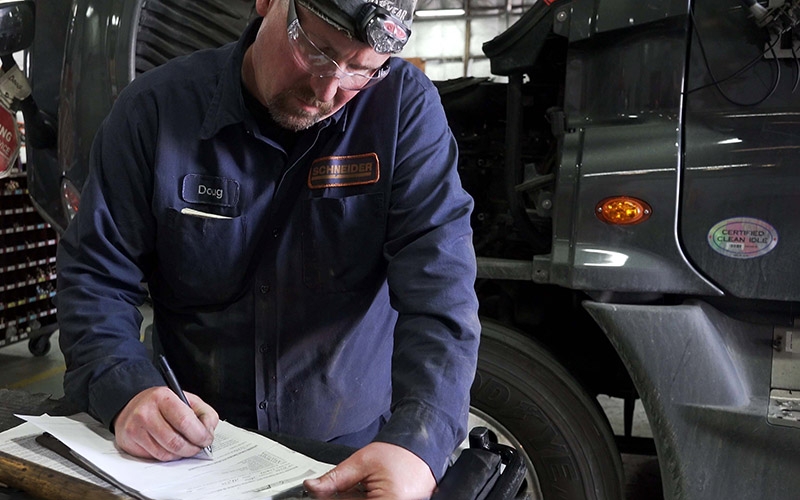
(21, 370)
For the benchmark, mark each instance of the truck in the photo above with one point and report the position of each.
(635, 173)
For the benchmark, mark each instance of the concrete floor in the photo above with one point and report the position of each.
(21, 370)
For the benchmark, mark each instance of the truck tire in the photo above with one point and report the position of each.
(530, 401)
(109, 43)
(170, 28)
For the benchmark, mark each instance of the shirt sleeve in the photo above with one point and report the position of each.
(431, 276)
(102, 260)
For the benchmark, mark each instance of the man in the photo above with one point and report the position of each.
(293, 205)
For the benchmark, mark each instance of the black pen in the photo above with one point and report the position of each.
(172, 382)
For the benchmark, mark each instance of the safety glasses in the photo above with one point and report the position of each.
(315, 62)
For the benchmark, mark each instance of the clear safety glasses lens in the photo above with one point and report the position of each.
(315, 62)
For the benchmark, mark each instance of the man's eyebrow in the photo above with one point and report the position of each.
(361, 67)
(334, 55)
(327, 49)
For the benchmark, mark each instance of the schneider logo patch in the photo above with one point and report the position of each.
(341, 171)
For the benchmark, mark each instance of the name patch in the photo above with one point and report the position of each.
(210, 190)
(341, 171)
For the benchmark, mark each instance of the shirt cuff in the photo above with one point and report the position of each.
(423, 431)
(109, 394)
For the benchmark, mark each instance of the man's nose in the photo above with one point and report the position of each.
(324, 87)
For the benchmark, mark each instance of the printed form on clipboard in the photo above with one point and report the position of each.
(246, 465)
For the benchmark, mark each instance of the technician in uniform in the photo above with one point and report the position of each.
(292, 203)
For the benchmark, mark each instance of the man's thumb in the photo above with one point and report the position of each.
(340, 478)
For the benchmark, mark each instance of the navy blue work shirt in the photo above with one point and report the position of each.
(313, 290)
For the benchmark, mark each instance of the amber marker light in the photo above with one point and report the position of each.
(623, 210)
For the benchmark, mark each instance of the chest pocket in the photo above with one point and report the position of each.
(201, 259)
(343, 242)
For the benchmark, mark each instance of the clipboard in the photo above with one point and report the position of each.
(54, 444)
(51, 443)
(49, 484)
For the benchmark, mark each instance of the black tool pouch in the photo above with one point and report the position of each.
(486, 470)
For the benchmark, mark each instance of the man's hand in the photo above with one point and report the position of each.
(382, 470)
(157, 424)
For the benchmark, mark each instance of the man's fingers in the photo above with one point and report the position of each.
(139, 442)
(157, 424)
(153, 446)
(341, 478)
(384, 470)
(186, 433)
(204, 412)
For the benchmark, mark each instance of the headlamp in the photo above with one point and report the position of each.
(383, 32)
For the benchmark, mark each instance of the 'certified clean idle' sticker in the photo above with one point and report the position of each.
(742, 237)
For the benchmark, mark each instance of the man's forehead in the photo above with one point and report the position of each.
(383, 24)
(338, 43)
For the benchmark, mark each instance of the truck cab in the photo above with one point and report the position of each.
(633, 165)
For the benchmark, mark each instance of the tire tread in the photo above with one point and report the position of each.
(171, 28)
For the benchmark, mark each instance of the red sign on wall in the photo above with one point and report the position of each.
(9, 141)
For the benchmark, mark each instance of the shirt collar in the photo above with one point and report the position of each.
(227, 105)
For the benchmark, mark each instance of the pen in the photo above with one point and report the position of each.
(172, 382)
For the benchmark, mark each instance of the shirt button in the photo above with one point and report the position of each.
(262, 405)
(263, 348)
(264, 288)
(275, 232)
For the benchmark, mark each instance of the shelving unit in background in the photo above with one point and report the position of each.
(27, 269)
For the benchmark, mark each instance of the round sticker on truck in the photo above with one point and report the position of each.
(742, 237)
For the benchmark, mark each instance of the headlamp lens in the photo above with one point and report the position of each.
(385, 35)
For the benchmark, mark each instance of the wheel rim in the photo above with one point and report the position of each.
(478, 418)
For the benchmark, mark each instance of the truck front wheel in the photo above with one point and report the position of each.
(530, 401)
